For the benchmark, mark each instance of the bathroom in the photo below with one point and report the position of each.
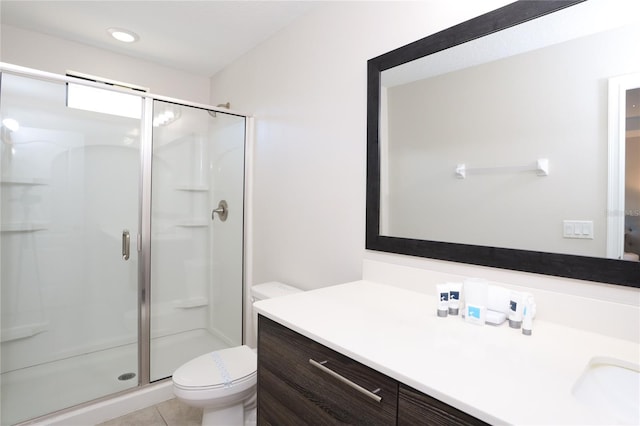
(306, 88)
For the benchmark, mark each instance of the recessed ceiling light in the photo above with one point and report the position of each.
(123, 35)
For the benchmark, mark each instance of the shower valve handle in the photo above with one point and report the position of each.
(222, 210)
(126, 244)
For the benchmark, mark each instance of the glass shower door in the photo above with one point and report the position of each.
(69, 266)
(196, 254)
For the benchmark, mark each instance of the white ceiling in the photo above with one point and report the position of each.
(200, 37)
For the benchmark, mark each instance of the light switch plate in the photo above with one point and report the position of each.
(581, 229)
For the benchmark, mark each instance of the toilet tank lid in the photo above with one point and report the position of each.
(272, 289)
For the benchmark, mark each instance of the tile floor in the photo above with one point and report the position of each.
(167, 413)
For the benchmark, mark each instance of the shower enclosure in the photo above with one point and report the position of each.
(116, 263)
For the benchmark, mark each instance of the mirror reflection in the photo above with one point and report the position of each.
(632, 175)
(521, 139)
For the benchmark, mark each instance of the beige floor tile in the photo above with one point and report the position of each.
(146, 417)
(177, 413)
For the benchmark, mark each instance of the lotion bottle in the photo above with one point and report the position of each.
(527, 317)
(455, 290)
(443, 299)
(516, 307)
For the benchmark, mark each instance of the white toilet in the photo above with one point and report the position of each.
(223, 382)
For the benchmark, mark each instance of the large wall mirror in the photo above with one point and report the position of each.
(512, 140)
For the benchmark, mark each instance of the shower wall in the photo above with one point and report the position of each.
(227, 170)
(196, 260)
(71, 184)
(63, 211)
(180, 251)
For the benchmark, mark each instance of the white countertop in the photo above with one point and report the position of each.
(493, 373)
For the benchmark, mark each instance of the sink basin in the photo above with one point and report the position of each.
(611, 388)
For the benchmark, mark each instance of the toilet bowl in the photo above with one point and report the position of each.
(223, 383)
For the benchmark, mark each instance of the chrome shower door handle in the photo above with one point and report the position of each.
(126, 244)
(222, 210)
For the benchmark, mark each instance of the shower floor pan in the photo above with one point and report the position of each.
(49, 387)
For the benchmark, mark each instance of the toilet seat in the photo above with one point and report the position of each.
(224, 369)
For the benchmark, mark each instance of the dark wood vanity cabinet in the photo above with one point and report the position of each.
(293, 390)
(301, 382)
(416, 408)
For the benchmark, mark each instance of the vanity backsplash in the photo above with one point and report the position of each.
(601, 308)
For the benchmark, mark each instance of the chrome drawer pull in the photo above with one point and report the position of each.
(346, 381)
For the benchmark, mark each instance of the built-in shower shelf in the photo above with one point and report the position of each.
(23, 227)
(23, 331)
(193, 223)
(25, 181)
(193, 188)
(194, 302)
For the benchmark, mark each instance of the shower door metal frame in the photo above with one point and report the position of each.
(143, 236)
(144, 246)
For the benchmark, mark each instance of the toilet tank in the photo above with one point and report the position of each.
(268, 291)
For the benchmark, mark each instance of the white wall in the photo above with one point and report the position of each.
(307, 89)
(46, 53)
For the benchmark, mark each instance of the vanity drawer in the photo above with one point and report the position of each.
(303, 382)
(416, 408)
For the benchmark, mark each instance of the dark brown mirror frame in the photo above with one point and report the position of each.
(603, 270)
